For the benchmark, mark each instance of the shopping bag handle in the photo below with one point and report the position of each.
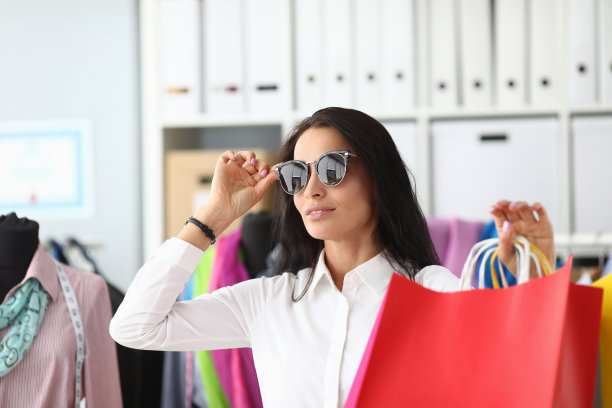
(525, 252)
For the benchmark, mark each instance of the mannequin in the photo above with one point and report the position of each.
(255, 242)
(18, 243)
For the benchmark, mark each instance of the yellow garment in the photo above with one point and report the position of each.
(605, 340)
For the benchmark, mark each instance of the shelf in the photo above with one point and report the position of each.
(222, 121)
(590, 110)
(493, 112)
(582, 241)
(240, 120)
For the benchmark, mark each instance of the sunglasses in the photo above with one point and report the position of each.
(293, 175)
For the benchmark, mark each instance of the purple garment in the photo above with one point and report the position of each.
(235, 367)
(453, 239)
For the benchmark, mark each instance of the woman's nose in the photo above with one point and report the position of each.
(313, 185)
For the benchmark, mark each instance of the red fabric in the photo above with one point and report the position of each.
(530, 345)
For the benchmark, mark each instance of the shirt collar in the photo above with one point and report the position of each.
(42, 267)
(375, 273)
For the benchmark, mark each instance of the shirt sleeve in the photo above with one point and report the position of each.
(150, 317)
(438, 278)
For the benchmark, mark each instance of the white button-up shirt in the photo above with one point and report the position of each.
(306, 353)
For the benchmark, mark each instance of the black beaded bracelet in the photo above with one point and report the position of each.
(205, 229)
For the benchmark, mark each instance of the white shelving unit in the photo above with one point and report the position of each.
(154, 126)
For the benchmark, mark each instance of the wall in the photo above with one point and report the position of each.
(69, 59)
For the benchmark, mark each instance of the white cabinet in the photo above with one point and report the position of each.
(592, 163)
(478, 162)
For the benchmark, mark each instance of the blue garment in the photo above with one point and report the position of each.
(490, 231)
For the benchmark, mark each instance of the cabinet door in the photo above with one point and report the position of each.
(477, 163)
(592, 149)
(404, 136)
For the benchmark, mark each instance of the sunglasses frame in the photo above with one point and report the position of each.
(345, 154)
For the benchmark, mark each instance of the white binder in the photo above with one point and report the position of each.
(592, 147)
(511, 52)
(582, 23)
(398, 61)
(308, 55)
(545, 62)
(265, 60)
(605, 60)
(475, 33)
(180, 50)
(223, 61)
(475, 165)
(337, 54)
(368, 42)
(443, 54)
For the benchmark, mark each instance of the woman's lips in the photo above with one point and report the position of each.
(314, 214)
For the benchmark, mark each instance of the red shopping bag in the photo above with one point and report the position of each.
(530, 345)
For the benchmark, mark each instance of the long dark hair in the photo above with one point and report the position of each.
(401, 230)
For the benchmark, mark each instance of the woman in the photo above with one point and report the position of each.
(349, 218)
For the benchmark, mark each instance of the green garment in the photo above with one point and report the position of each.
(214, 392)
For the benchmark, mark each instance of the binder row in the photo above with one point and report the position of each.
(222, 56)
(514, 53)
(230, 56)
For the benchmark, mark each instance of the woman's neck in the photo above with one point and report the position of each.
(344, 256)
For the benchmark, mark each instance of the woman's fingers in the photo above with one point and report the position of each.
(541, 213)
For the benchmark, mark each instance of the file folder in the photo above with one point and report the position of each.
(443, 54)
(545, 32)
(180, 50)
(475, 33)
(338, 58)
(368, 42)
(582, 23)
(511, 52)
(309, 43)
(605, 60)
(223, 58)
(592, 147)
(398, 60)
(265, 60)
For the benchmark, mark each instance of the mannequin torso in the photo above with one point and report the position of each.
(18, 243)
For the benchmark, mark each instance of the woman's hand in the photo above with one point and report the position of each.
(239, 182)
(529, 221)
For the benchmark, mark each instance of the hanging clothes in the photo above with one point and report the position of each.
(203, 379)
(215, 394)
(453, 238)
(46, 375)
(235, 367)
(140, 371)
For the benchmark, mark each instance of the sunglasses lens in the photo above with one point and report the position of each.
(293, 177)
(331, 169)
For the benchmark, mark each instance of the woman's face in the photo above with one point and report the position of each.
(348, 209)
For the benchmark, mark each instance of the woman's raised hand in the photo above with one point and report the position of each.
(239, 182)
(530, 221)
